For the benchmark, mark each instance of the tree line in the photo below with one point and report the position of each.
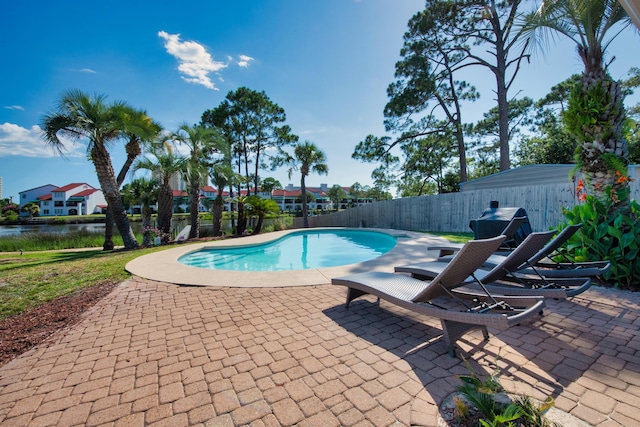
(431, 148)
(229, 147)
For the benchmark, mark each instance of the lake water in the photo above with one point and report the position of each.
(13, 230)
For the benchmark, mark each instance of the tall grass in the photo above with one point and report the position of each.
(37, 241)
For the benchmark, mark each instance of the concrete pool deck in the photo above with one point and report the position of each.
(155, 354)
(164, 266)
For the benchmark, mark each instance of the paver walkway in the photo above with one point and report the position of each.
(155, 354)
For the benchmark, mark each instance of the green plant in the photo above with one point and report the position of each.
(483, 394)
(532, 414)
(11, 216)
(609, 232)
(509, 414)
(461, 409)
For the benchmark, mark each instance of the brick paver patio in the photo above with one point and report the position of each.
(156, 354)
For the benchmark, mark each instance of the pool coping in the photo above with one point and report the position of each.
(163, 266)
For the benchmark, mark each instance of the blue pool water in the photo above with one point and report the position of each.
(296, 251)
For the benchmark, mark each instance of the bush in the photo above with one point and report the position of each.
(11, 216)
(610, 231)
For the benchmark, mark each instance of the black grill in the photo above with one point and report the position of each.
(494, 220)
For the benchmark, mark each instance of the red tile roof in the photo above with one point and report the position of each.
(86, 192)
(70, 186)
(285, 193)
(46, 197)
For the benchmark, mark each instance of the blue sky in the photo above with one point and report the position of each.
(326, 62)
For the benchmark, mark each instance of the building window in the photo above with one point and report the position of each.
(58, 211)
(58, 204)
(24, 196)
(45, 212)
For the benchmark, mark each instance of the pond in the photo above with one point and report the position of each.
(14, 230)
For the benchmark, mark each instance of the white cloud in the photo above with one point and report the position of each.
(18, 141)
(14, 107)
(195, 63)
(88, 70)
(244, 61)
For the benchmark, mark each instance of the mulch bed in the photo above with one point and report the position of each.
(24, 331)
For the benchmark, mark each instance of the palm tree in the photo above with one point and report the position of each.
(202, 142)
(163, 163)
(260, 207)
(143, 191)
(32, 208)
(595, 114)
(82, 117)
(221, 174)
(139, 129)
(307, 158)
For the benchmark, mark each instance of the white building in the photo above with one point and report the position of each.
(34, 195)
(71, 199)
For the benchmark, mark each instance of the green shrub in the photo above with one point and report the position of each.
(483, 395)
(11, 216)
(610, 231)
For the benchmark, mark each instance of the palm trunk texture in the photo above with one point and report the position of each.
(106, 176)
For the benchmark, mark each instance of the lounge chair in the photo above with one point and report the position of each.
(542, 262)
(425, 296)
(505, 278)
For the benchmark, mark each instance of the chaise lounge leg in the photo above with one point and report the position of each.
(452, 331)
(353, 294)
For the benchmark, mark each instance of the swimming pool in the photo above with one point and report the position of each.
(299, 250)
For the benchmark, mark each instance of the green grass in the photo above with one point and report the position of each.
(454, 237)
(34, 278)
(56, 241)
(53, 241)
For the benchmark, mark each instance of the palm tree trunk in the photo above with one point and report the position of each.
(258, 226)
(605, 137)
(146, 222)
(165, 208)
(108, 231)
(133, 150)
(218, 208)
(194, 203)
(106, 175)
(303, 188)
(242, 219)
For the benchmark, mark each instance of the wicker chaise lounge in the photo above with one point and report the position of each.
(506, 278)
(438, 299)
(542, 262)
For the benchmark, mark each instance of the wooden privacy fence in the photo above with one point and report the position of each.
(452, 212)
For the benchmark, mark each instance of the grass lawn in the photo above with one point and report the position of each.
(453, 237)
(37, 277)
